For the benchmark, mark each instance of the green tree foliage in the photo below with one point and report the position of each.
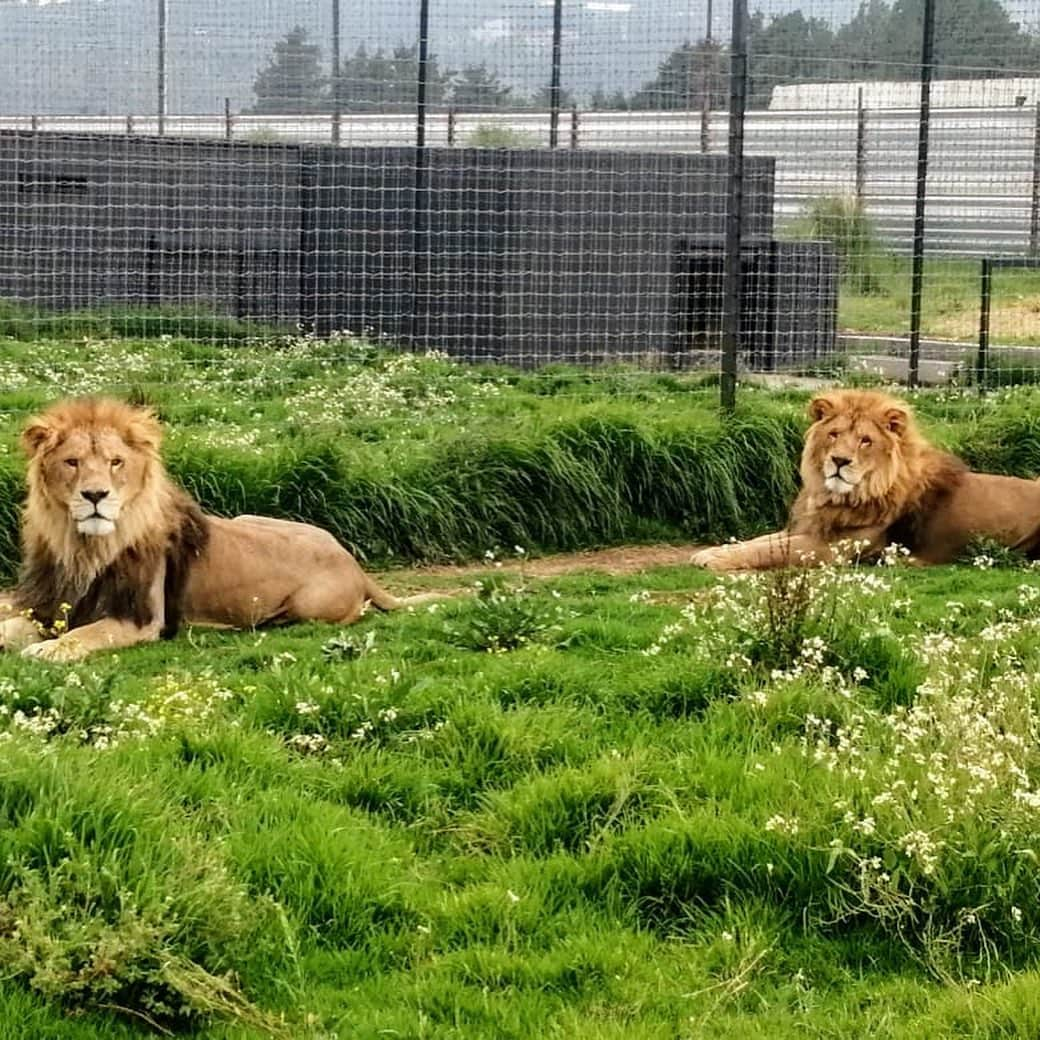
(386, 80)
(542, 98)
(618, 101)
(688, 75)
(972, 38)
(791, 48)
(293, 80)
(476, 86)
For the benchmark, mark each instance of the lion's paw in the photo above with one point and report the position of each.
(56, 650)
(719, 558)
(17, 632)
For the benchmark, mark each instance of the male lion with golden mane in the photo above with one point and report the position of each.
(870, 478)
(115, 554)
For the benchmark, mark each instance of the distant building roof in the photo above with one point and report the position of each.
(946, 93)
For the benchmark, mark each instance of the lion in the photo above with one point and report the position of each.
(870, 479)
(115, 554)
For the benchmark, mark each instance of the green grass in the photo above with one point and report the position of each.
(597, 808)
(571, 838)
(950, 302)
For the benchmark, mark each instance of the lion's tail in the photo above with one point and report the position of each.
(383, 600)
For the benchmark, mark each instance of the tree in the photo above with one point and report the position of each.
(293, 80)
(973, 39)
(616, 102)
(790, 49)
(689, 75)
(542, 98)
(387, 80)
(476, 86)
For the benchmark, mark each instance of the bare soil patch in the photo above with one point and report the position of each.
(624, 559)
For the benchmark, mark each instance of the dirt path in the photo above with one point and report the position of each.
(625, 559)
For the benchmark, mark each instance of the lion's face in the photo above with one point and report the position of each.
(91, 459)
(94, 473)
(853, 450)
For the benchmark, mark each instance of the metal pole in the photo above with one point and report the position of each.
(337, 94)
(1034, 208)
(554, 75)
(708, 81)
(917, 270)
(861, 148)
(423, 73)
(161, 84)
(987, 291)
(420, 194)
(733, 288)
(229, 122)
(575, 127)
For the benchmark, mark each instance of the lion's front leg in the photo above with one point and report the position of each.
(18, 632)
(106, 634)
(769, 552)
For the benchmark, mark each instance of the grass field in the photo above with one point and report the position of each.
(597, 808)
(950, 302)
(653, 806)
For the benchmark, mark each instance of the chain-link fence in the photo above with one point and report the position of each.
(535, 181)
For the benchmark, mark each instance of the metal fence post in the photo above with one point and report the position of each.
(733, 283)
(554, 75)
(420, 193)
(917, 270)
(707, 83)
(982, 359)
(161, 72)
(861, 148)
(1034, 208)
(337, 66)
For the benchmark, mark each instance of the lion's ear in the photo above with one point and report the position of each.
(37, 434)
(822, 407)
(896, 420)
(143, 430)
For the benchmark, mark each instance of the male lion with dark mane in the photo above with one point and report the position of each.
(115, 554)
(870, 478)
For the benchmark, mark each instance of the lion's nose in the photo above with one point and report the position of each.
(840, 460)
(93, 497)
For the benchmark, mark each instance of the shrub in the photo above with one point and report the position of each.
(842, 220)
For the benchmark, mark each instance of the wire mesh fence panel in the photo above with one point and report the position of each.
(855, 72)
(533, 182)
(530, 182)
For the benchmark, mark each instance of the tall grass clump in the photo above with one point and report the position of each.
(110, 900)
(22, 322)
(842, 220)
(918, 812)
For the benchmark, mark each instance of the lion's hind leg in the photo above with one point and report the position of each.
(325, 599)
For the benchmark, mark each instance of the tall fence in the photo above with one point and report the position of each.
(536, 181)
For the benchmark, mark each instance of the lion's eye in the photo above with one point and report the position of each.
(866, 442)
(116, 463)
(72, 463)
(833, 435)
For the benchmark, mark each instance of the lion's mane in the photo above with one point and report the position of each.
(904, 485)
(79, 580)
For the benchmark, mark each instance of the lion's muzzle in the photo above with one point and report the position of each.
(835, 480)
(95, 512)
